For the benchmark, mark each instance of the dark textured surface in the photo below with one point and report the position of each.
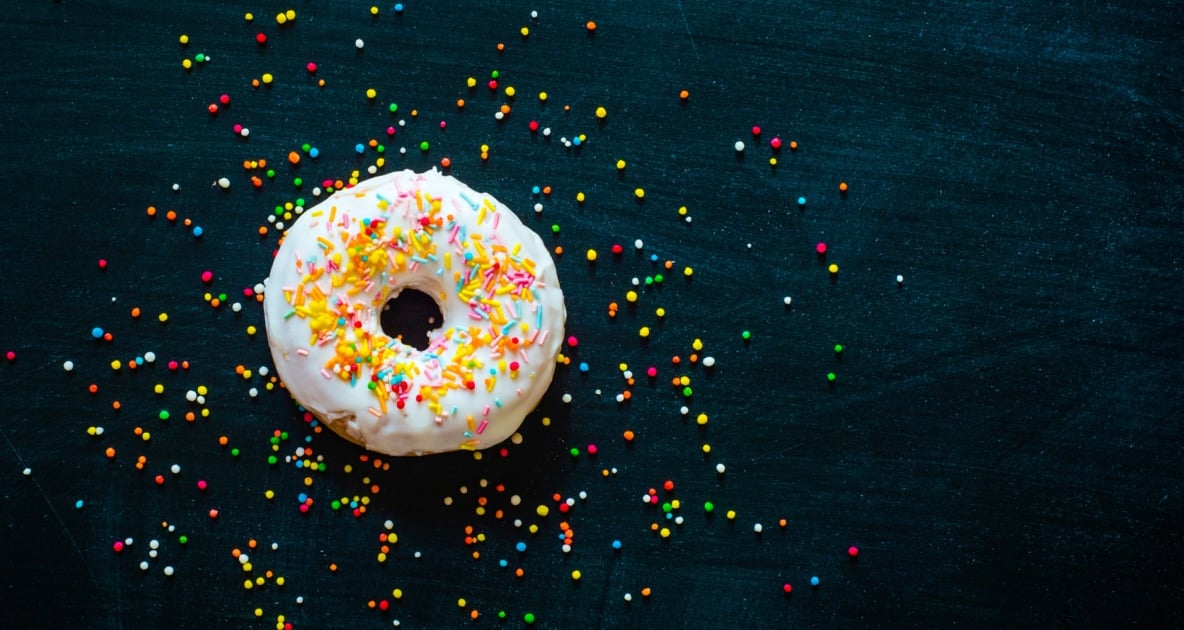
(1004, 442)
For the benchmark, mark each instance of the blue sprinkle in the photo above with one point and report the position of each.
(616, 544)
(576, 141)
(360, 148)
(520, 546)
(78, 504)
(814, 581)
(197, 231)
(502, 563)
(314, 152)
(96, 332)
(398, 7)
(535, 190)
(583, 366)
(302, 497)
(653, 258)
(801, 201)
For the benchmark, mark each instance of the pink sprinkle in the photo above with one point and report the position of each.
(10, 355)
(481, 427)
(173, 366)
(572, 341)
(853, 551)
(592, 449)
(118, 546)
(820, 248)
(312, 67)
(775, 143)
(443, 125)
(224, 99)
(102, 263)
(207, 276)
(201, 484)
(651, 372)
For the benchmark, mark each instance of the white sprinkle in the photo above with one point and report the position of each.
(223, 183)
(787, 300)
(168, 571)
(68, 366)
(176, 187)
(628, 597)
(359, 44)
(638, 244)
(299, 599)
(275, 546)
(245, 132)
(152, 554)
(389, 524)
(191, 395)
(620, 398)
(720, 468)
(236, 307)
(758, 528)
(899, 279)
(253, 392)
(739, 146)
(688, 220)
(708, 361)
(498, 115)
(175, 469)
(417, 555)
(243, 558)
(150, 357)
(546, 132)
(154, 544)
(534, 15)
(259, 288)
(635, 281)
(26, 472)
(567, 399)
(678, 520)
(566, 548)
(98, 430)
(583, 495)
(538, 208)
(127, 542)
(143, 565)
(684, 410)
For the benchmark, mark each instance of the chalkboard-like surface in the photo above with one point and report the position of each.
(1002, 440)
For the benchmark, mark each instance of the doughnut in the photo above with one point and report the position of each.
(486, 366)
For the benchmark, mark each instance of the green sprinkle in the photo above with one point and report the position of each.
(838, 348)
(831, 376)
(272, 459)
(575, 452)
(686, 392)
(306, 147)
(322, 467)
(424, 146)
(649, 280)
(394, 107)
(380, 148)
(222, 297)
(164, 414)
(493, 75)
(501, 614)
(284, 436)
(708, 506)
(183, 539)
(554, 228)
(234, 452)
(199, 57)
(746, 335)
(298, 182)
(667, 507)
(658, 278)
(271, 173)
(336, 505)
(279, 210)
(528, 617)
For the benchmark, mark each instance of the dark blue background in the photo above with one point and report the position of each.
(1004, 440)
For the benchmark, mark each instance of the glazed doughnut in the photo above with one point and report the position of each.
(487, 365)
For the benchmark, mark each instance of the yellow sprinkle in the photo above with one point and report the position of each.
(270, 494)
(580, 197)
(158, 388)
(702, 419)
(371, 93)
(665, 532)
(731, 515)
(251, 330)
(639, 193)
(184, 39)
(461, 603)
(373, 10)
(116, 364)
(471, 82)
(591, 255)
(682, 211)
(163, 317)
(631, 296)
(620, 165)
(644, 332)
(250, 17)
(706, 449)
(290, 14)
(688, 272)
(833, 268)
(543, 96)
(510, 91)
(576, 575)
(280, 18)
(187, 64)
(267, 78)
(697, 344)
(397, 593)
(661, 312)
(542, 510)
(525, 31)
(601, 112)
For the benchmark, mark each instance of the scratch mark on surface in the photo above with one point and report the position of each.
(61, 522)
(687, 25)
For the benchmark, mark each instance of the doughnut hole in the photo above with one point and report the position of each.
(410, 317)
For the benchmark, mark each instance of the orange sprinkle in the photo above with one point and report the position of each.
(446, 162)
(171, 215)
(842, 186)
(262, 230)
(505, 109)
(547, 191)
(236, 552)
(591, 26)
(190, 417)
(519, 572)
(188, 222)
(110, 452)
(684, 95)
(500, 47)
(645, 592)
(793, 145)
(675, 359)
(223, 440)
(94, 389)
(333, 567)
(460, 103)
(473, 614)
(252, 543)
(151, 211)
(628, 435)
(293, 157)
(115, 405)
(135, 311)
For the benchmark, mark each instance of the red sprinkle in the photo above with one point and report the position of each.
(775, 143)
(853, 551)
(617, 249)
(118, 546)
(102, 263)
(312, 67)
(261, 38)
(224, 99)
(756, 130)
(787, 587)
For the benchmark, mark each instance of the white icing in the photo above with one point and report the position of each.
(524, 287)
